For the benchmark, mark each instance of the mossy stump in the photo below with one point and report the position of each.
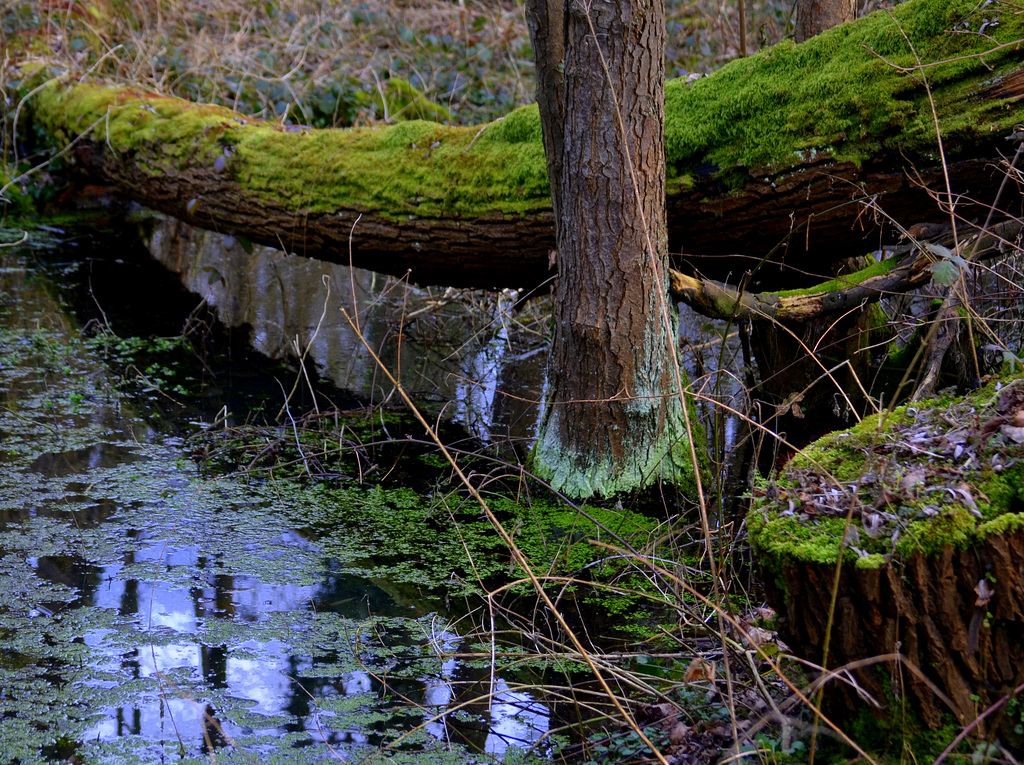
(926, 508)
(925, 609)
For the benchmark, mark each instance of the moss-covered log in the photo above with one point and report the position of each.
(927, 511)
(453, 205)
(787, 155)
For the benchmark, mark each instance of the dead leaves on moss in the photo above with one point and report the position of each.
(930, 462)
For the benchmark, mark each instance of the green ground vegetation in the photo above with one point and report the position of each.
(424, 531)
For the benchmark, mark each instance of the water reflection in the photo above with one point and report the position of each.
(509, 718)
(280, 690)
(488, 374)
(151, 615)
(82, 460)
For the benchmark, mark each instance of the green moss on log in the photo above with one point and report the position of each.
(845, 281)
(14, 203)
(415, 168)
(838, 97)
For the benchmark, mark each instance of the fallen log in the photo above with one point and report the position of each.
(795, 157)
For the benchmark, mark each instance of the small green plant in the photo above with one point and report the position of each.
(624, 746)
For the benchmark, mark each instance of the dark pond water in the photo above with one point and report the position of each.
(153, 613)
(477, 357)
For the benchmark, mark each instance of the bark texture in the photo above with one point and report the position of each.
(815, 16)
(927, 609)
(613, 416)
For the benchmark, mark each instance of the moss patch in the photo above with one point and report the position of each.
(443, 542)
(14, 203)
(921, 478)
(415, 168)
(841, 97)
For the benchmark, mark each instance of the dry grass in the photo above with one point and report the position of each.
(326, 64)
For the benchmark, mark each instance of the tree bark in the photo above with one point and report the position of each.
(815, 16)
(926, 609)
(613, 420)
(923, 509)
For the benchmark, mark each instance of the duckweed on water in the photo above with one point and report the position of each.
(443, 541)
(160, 605)
(152, 613)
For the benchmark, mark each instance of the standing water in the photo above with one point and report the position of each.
(155, 613)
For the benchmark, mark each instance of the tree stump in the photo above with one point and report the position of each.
(926, 508)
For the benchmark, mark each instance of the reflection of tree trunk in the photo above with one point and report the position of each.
(514, 414)
(129, 605)
(815, 16)
(213, 660)
(612, 417)
(214, 737)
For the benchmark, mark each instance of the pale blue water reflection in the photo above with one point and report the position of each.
(152, 613)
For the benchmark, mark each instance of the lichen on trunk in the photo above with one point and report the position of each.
(614, 419)
(617, 464)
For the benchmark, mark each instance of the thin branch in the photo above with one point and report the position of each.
(722, 301)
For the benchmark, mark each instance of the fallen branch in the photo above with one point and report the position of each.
(891, 276)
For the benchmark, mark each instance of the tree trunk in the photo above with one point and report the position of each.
(923, 507)
(926, 609)
(613, 420)
(815, 16)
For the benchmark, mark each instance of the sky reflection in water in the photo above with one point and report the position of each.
(165, 614)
